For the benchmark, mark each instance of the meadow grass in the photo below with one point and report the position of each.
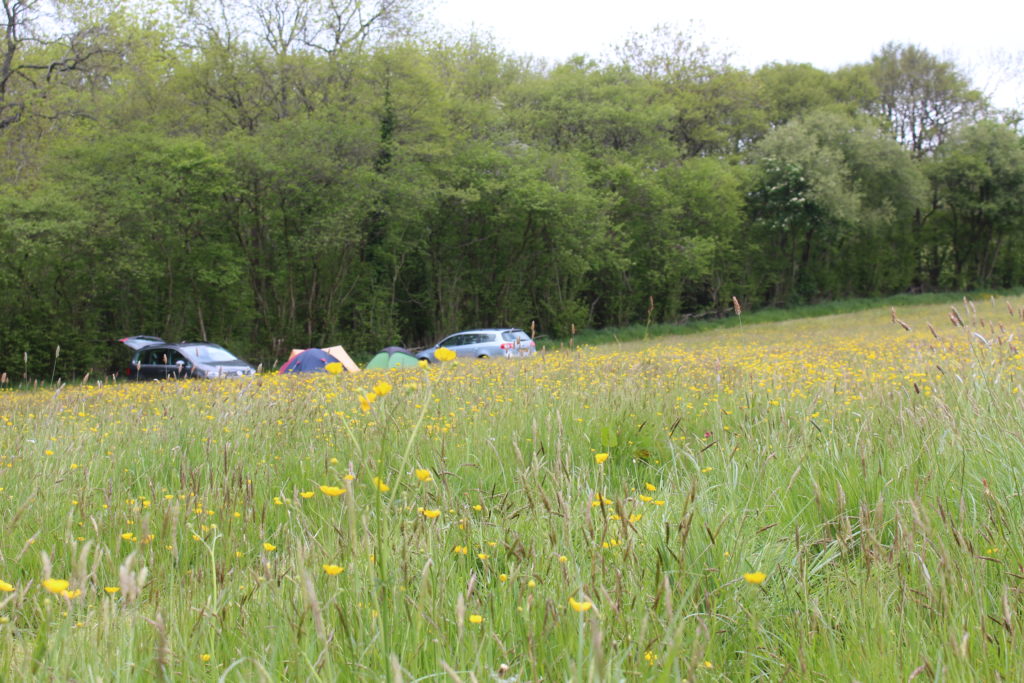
(836, 498)
(727, 317)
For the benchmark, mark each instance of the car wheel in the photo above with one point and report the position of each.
(483, 355)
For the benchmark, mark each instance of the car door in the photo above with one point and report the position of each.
(484, 344)
(156, 364)
(456, 342)
(143, 364)
(178, 366)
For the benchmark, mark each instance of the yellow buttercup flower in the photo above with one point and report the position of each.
(431, 514)
(332, 490)
(444, 354)
(381, 486)
(580, 606)
(307, 494)
(333, 569)
(334, 368)
(424, 475)
(382, 388)
(476, 619)
(600, 457)
(6, 587)
(269, 547)
(205, 657)
(71, 595)
(111, 589)
(56, 585)
(756, 578)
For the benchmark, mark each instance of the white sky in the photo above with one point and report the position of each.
(981, 36)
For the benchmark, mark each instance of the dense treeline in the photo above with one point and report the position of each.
(282, 173)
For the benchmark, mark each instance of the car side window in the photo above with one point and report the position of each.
(150, 357)
(454, 340)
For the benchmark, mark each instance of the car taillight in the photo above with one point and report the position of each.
(506, 346)
(127, 372)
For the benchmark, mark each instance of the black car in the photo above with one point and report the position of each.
(201, 360)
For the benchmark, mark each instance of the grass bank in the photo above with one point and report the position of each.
(728, 319)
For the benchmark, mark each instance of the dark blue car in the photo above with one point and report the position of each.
(200, 360)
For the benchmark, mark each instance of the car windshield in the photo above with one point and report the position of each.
(210, 354)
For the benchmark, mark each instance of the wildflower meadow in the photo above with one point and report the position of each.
(824, 499)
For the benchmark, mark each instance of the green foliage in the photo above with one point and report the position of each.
(830, 189)
(979, 178)
(283, 175)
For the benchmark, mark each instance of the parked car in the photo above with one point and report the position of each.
(495, 342)
(201, 360)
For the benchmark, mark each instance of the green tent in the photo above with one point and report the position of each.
(392, 357)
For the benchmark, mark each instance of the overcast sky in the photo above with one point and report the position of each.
(981, 36)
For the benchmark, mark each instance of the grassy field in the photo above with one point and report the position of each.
(828, 499)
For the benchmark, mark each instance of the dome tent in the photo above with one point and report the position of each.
(392, 357)
(336, 354)
(310, 360)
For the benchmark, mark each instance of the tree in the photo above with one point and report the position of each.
(714, 108)
(803, 203)
(583, 106)
(679, 226)
(832, 199)
(979, 178)
(36, 60)
(923, 97)
(793, 90)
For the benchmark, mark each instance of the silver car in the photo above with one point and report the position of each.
(487, 343)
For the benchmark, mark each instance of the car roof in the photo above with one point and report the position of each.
(181, 345)
(487, 329)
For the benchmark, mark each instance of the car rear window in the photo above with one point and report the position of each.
(514, 335)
